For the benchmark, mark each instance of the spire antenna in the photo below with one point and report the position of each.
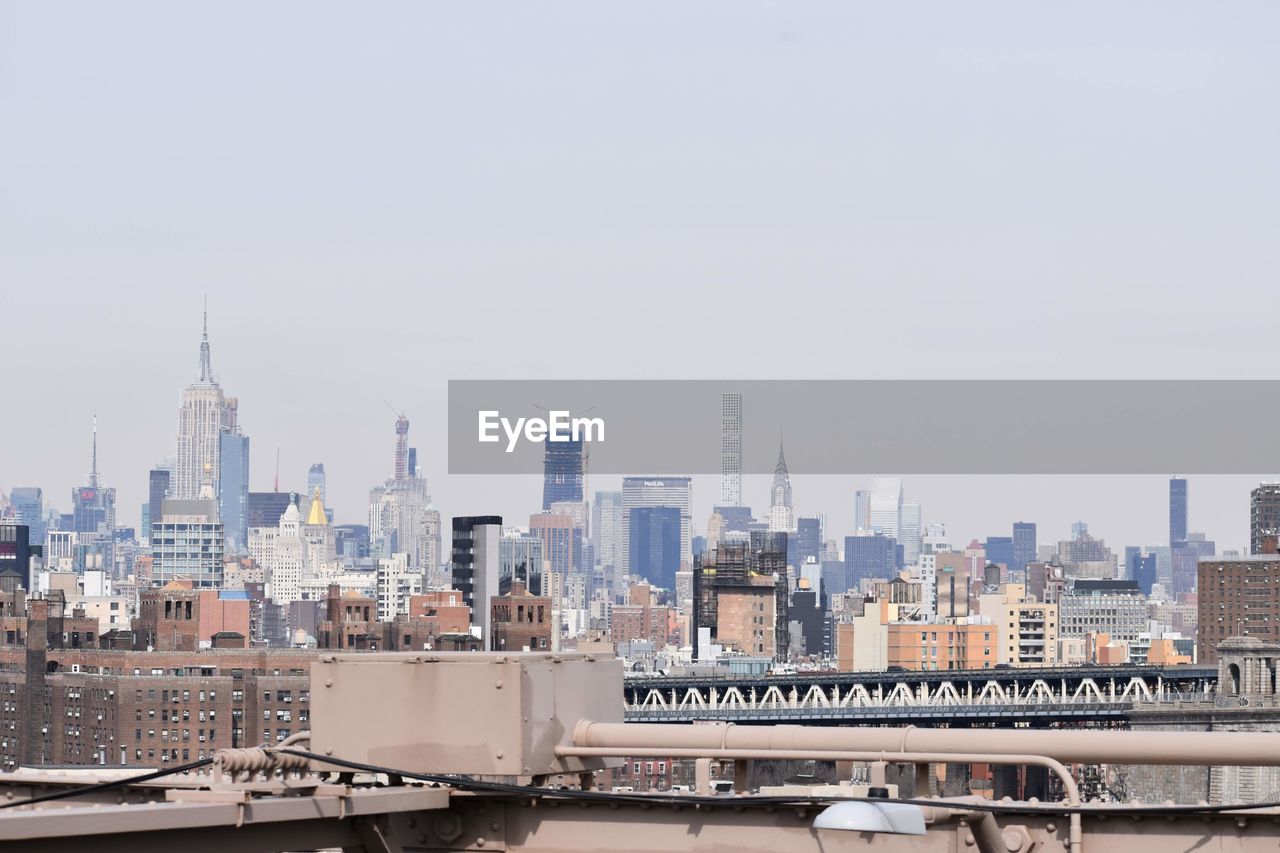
(93, 471)
(206, 369)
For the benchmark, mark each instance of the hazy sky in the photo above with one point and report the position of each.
(379, 197)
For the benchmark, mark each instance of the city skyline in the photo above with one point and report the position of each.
(945, 498)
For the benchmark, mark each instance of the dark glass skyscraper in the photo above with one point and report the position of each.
(999, 549)
(654, 546)
(808, 539)
(157, 491)
(28, 505)
(1024, 545)
(233, 488)
(15, 557)
(561, 472)
(1177, 510)
(870, 556)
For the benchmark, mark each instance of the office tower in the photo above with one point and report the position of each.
(315, 480)
(1024, 544)
(94, 512)
(262, 509)
(1185, 556)
(400, 471)
(562, 472)
(1177, 510)
(660, 491)
(1237, 597)
(910, 533)
(28, 508)
(606, 532)
(476, 560)
(808, 539)
(318, 539)
(351, 541)
(15, 558)
(1086, 557)
(204, 414)
(400, 511)
(233, 485)
(731, 450)
(885, 509)
(999, 550)
(861, 510)
(870, 555)
(157, 490)
(780, 495)
(1078, 529)
(281, 551)
(558, 534)
(654, 545)
(187, 542)
(520, 559)
(1141, 568)
(1264, 519)
(414, 471)
(952, 585)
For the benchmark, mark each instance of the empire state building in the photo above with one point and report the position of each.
(204, 415)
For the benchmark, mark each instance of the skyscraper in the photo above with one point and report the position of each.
(233, 489)
(157, 491)
(808, 539)
(1024, 544)
(1177, 510)
(15, 557)
(780, 495)
(910, 532)
(315, 480)
(655, 545)
(871, 555)
(476, 564)
(520, 559)
(204, 414)
(94, 512)
(1264, 518)
(400, 512)
(885, 509)
(28, 506)
(861, 510)
(660, 491)
(731, 450)
(562, 472)
(606, 530)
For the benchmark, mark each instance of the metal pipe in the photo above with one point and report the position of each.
(1075, 838)
(1056, 767)
(1207, 749)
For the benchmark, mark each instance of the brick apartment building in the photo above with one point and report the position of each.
(520, 620)
(63, 705)
(1237, 597)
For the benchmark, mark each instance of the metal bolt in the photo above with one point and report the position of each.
(968, 839)
(480, 842)
(500, 754)
(1051, 827)
(493, 827)
(328, 683)
(329, 751)
(498, 685)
